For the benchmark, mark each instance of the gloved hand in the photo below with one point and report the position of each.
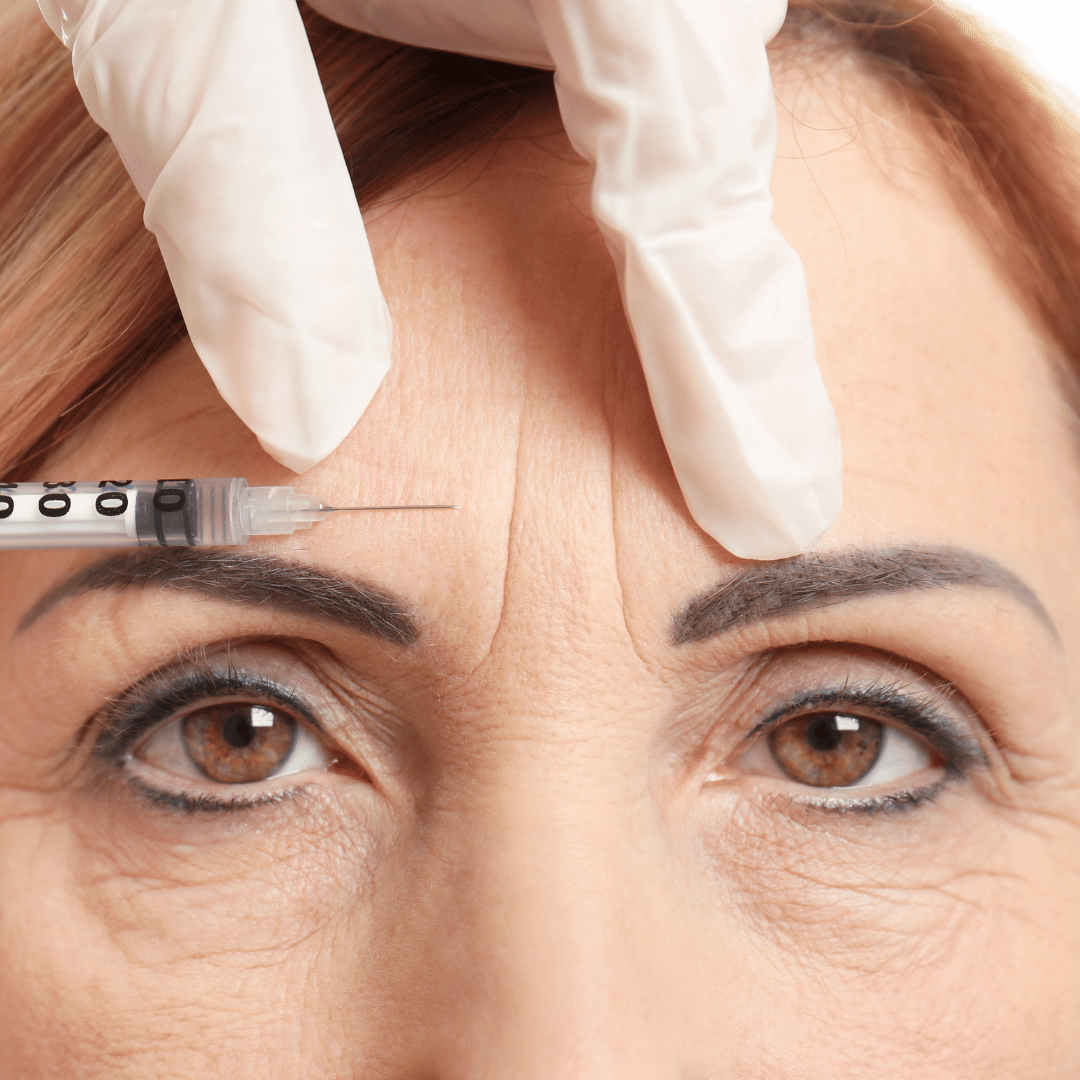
(216, 109)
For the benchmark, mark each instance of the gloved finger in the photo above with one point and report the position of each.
(217, 111)
(494, 29)
(770, 17)
(672, 102)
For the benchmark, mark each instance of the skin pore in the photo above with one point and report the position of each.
(549, 838)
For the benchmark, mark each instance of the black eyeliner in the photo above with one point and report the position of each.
(160, 697)
(204, 803)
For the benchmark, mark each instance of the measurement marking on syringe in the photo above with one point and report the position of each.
(168, 513)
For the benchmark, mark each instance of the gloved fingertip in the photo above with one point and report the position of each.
(767, 486)
(762, 539)
(768, 544)
(298, 462)
(771, 15)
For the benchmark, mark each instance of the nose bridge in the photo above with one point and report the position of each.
(561, 942)
(573, 869)
(550, 907)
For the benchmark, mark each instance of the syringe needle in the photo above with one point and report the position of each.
(440, 506)
(216, 512)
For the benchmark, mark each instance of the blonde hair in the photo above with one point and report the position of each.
(86, 305)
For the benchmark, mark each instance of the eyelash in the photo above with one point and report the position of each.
(958, 749)
(904, 802)
(160, 699)
(208, 804)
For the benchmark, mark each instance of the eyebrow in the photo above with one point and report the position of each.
(286, 587)
(808, 582)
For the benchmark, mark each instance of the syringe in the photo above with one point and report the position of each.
(163, 513)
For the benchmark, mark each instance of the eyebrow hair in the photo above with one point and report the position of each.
(251, 580)
(772, 590)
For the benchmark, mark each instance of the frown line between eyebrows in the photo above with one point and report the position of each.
(773, 590)
(251, 580)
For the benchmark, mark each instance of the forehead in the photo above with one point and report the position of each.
(953, 422)
(516, 392)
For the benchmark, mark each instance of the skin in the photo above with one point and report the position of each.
(543, 853)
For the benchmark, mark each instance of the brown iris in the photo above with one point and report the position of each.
(237, 743)
(827, 749)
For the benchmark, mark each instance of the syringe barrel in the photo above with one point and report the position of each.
(122, 513)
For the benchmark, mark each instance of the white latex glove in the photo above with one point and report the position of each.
(216, 108)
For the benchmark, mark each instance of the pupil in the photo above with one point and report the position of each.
(822, 734)
(237, 730)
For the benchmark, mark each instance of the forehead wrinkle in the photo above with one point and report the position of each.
(774, 590)
(636, 448)
(512, 515)
(643, 659)
(561, 575)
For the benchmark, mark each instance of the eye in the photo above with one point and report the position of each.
(833, 749)
(233, 742)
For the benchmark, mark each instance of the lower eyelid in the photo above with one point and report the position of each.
(195, 802)
(889, 803)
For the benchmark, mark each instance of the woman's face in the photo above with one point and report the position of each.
(594, 799)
